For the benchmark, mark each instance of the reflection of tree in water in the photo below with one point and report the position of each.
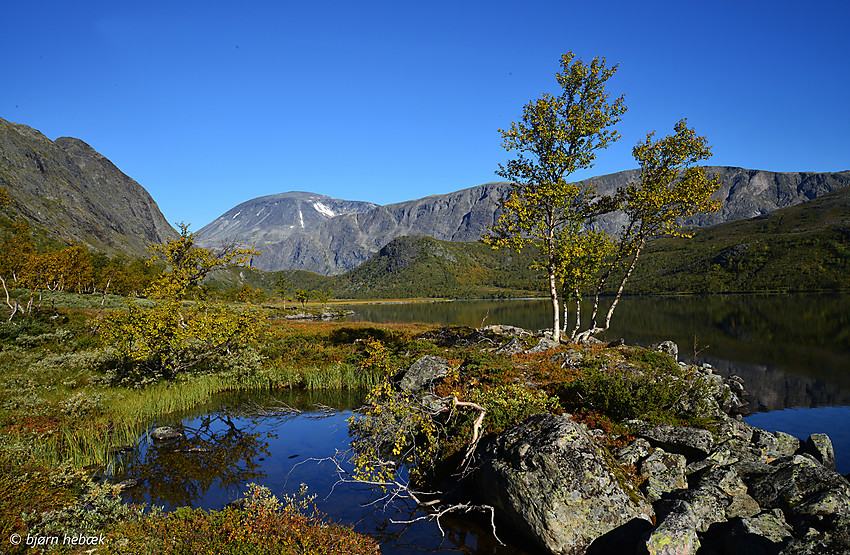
(215, 449)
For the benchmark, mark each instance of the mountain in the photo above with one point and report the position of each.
(273, 218)
(805, 247)
(340, 243)
(74, 193)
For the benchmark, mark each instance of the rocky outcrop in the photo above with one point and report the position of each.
(552, 480)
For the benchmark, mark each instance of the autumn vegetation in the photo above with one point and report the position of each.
(93, 346)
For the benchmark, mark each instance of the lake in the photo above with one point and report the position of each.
(792, 351)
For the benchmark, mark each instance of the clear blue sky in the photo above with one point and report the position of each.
(208, 104)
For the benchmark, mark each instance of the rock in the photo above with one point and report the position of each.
(761, 535)
(694, 443)
(165, 434)
(733, 450)
(742, 505)
(708, 504)
(802, 487)
(557, 486)
(634, 452)
(776, 445)
(833, 539)
(667, 347)
(127, 484)
(502, 329)
(820, 446)
(545, 344)
(733, 427)
(423, 371)
(676, 532)
(568, 359)
(664, 472)
(512, 347)
(724, 480)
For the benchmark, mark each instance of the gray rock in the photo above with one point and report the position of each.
(545, 344)
(800, 486)
(676, 531)
(165, 434)
(733, 450)
(761, 535)
(708, 504)
(634, 452)
(832, 539)
(423, 371)
(742, 505)
(694, 443)
(820, 446)
(556, 485)
(724, 480)
(667, 347)
(512, 347)
(775, 445)
(664, 472)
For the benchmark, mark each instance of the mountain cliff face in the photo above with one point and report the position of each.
(76, 194)
(340, 243)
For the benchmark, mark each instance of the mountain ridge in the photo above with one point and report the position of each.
(343, 242)
(76, 194)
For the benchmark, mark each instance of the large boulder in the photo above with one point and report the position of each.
(422, 372)
(554, 483)
(694, 443)
(802, 487)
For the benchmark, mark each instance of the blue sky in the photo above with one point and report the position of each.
(208, 104)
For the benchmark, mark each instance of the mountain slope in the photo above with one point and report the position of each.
(76, 194)
(273, 218)
(344, 242)
(799, 248)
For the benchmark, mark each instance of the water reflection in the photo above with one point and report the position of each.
(242, 438)
(793, 349)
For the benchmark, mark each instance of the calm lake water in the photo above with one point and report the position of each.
(792, 351)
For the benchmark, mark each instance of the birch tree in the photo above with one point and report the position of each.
(671, 186)
(557, 135)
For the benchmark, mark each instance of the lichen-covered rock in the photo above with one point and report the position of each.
(422, 372)
(801, 486)
(634, 452)
(776, 445)
(734, 428)
(512, 347)
(742, 505)
(733, 450)
(556, 485)
(664, 472)
(708, 504)
(667, 347)
(724, 480)
(676, 531)
(762, 535)
(820, 446)
(832, 539)
(694, 443)
(545, 344)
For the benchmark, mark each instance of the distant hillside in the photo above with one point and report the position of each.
(343, 242)
(799, 248)
(66, 188)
